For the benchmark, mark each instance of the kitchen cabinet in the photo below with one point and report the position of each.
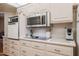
(34, 48)
(6, 46)
(29, 51)
(33, 44)
(61, 13)
(63, 50)
(44, 49)
(11, 47)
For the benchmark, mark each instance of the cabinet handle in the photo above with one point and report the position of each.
(57, 50)
(37, 46)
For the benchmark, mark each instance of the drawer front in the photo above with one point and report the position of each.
(6, 41)
(6, 50)
(14, 52)
(33, 44)
(15, 47)
(6, 44)
(60, 49)
(38, 45)
(28, 51)
(14, 42)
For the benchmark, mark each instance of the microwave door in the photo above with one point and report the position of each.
(33, 21)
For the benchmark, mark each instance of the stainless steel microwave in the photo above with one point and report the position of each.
(38, 19)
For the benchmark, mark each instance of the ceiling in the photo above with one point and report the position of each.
(16, 4)
(4, 7)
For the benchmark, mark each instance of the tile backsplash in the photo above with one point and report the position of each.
(57, 31)
(41, 32)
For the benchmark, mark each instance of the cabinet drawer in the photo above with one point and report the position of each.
(6, 50)
(14, 52)
(60, 49)
(6, 41)
(16, 47)
(6, 44)
(33, 44)
(14, 42)
(28, 51)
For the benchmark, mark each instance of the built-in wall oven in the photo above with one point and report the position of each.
(38, 19)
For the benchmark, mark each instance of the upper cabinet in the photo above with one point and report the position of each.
(61, 12)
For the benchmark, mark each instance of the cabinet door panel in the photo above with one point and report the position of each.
(61, 13)
(60, 49)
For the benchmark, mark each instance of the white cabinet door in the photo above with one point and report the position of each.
(13, 31)
(61, 12)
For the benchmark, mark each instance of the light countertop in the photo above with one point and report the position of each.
(53, 41)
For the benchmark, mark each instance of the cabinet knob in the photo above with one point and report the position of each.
(57, 50)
